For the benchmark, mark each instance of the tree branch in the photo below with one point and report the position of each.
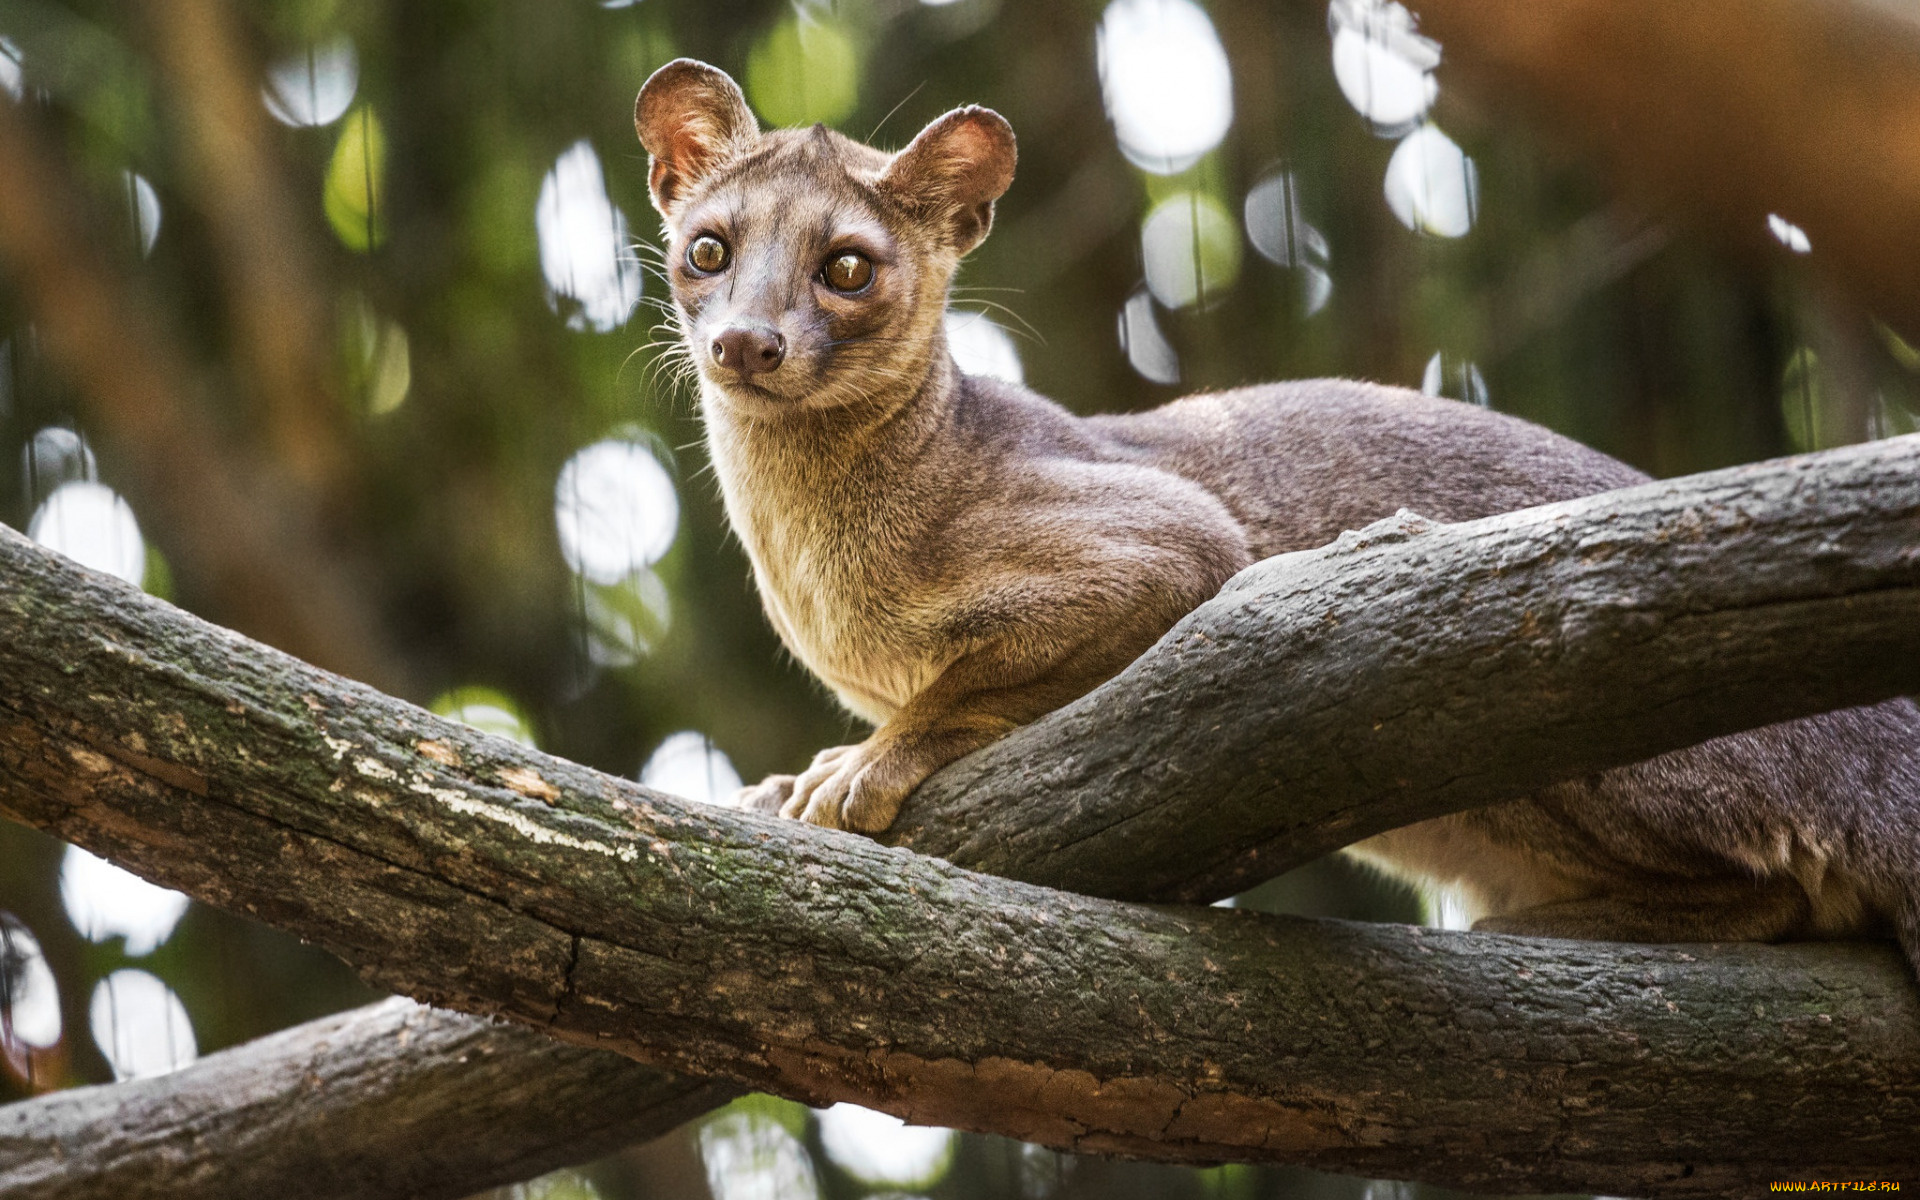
(388, 1100)
(824, 966)
(819, 965)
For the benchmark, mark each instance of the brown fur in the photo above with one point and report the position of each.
(955, 556)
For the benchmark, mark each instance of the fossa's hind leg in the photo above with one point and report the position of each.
(1730, 910)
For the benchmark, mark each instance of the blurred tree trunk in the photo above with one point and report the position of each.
(478, 874)
(1724, 111)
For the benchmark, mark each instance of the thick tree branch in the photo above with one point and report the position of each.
(819, 965)
(388, 1100)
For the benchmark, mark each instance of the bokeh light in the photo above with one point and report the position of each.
(1281, 235)
(379, 360)
(616, 510)
(1383, 67)
(140, 1026)
(1446, 908)
(1812, 421)
(1432, 186)
(1788, 234)
(488, 710)
(1459, 379)
(1146, 347)
(143, 210)
(625, 620)
(1191, 247)
(688, 765)
(586, 251)
(90, 524)
(878, 1149)
(29, 998)
(10, 74)
(750, 1156)
(806, 69)
(982, 347)
(355, 186)
(104, 901)
(557, 1185)
(1167, 84)
(1043, 1172)
(53, 456)
(315, 86)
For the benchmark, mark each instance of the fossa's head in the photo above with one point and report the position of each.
(810, 271)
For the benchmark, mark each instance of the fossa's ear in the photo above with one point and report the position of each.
(691, 118)
(954, 171)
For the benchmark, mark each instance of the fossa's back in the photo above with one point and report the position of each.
(1805, 829)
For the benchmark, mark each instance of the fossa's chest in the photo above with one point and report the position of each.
(840, 588)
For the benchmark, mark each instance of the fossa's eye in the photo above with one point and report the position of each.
(707, 254)
(848, 272)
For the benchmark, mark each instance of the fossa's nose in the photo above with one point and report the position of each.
(750, 349)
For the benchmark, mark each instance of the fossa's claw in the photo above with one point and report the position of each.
(767, 796)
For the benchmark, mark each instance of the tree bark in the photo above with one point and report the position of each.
(819, 965)
(391, 1100)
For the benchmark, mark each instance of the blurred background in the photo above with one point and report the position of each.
(325, 320)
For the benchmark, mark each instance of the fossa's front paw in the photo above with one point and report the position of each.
(849, 787)
(768, 796)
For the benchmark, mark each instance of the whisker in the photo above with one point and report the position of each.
(896, 108)
(1026, 327)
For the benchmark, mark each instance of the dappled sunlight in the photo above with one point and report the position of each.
(313, 86)
(1459, 379)
(616, 510)
(105, 901)
(750, 1156)
(1190, 244)
(139, 1025)
(881, 1150)
(688, 765)
(1146, 347)
(90, 524)
(982, 347)
(1431, 185)
(593, 275)
(1384, 69)
(1168, 88)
